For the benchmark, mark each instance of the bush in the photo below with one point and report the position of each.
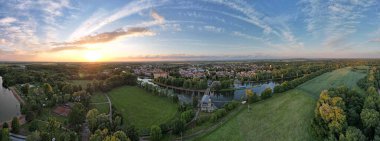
(267, 93)
(15, 125)
(187, 115)
(33, 126)
(179, 126)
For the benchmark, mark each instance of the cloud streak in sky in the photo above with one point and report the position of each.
(110, 36)
(95, 22)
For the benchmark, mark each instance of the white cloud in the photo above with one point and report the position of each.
(212, 29)
(239, 34)
(7, 20)
(334, 21)
(95, 22)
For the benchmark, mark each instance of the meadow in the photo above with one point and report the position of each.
(100, 102)
(285, 116)
(141, 108)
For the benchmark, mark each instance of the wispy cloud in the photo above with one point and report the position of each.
(189, 57)
(334, 20)
(269, 25)
(240, 34)
(7, 20)
(110, 36)
(211, 28)
(96, 22)
(375, 40)
(66, 48)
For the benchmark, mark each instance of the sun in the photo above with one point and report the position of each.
(93, 56)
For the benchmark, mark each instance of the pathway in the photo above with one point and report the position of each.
(16, 94)
(85, 132)
(110, 106)
(16, 137)
(179, 88)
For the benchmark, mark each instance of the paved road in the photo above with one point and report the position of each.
(110, 106)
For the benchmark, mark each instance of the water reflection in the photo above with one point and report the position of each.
(9, 105)
(220, 98)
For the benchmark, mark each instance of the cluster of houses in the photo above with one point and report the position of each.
(193, 73)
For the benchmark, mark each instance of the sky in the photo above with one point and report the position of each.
(164, 30)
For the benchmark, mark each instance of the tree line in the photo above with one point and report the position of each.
(344, 114)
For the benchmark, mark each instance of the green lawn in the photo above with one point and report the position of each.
(141, 108)
(332, 79)
(285, 116)
(100, 102)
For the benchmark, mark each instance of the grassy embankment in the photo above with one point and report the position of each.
(285, 116)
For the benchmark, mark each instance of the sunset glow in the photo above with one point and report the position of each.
(92, 56)
(160, 30)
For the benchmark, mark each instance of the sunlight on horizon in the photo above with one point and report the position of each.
(93, 56)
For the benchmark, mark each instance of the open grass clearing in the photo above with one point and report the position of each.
(286, 116)
(141, 108)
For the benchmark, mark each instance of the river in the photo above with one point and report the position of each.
(221, 98)
(9, 105)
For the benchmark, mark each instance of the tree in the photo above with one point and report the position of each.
(35, 136)
(5, 125)
(179, 126)
(132, 133)
(370, 117)
(155, 133)
(15, 125)
(121, 136)
(370, 102)
(92, 119)
(53, 127)
(354, 134)
(251, 96)
(5, 134)
(25, 89)
(195, 101)
(77, 115)
(48, 90)
(267, 93)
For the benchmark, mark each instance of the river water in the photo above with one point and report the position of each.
(221, 98)
(9, 105)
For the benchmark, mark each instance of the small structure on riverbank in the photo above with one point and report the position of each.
(206, 104)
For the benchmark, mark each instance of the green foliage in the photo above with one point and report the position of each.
(353, 134)
(132, 133)
(187, 115)
(155, 133)
(35, 136)
(179, 126)
(15, 125)
(5, 134)
(77, 114)
(267, 93)
(370, 118)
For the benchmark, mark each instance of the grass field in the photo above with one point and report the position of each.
(100, 102)
(141, 108)
(285, 116)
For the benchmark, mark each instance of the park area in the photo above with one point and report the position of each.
(285, 116)
(142, 108)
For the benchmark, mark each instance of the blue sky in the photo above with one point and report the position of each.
(145, 30)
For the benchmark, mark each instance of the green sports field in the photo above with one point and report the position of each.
(285, 116)
(141, 108)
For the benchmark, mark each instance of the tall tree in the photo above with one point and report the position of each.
(15, 125)
(155, 133)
